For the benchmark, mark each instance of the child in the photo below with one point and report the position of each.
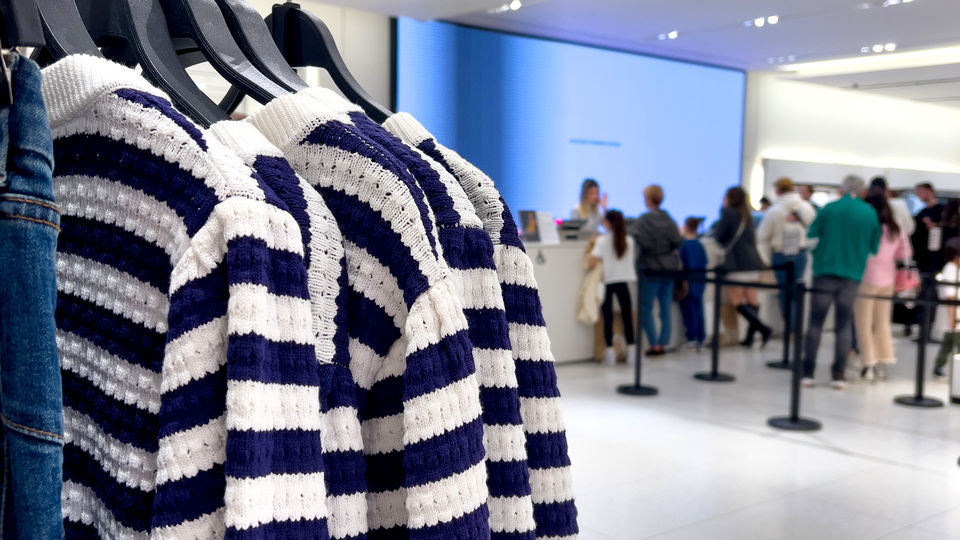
(950, 274)
(616, 250)
(694, 257)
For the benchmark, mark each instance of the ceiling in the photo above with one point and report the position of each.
(713, 31)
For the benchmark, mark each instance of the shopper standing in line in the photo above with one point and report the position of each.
(734, 232)
(616, 251)
(901, 212)
(592, 206)
(806, 193)
(694, 259)
(949, 274)
(927, 240)
(657, 239)
(782, 236)
(848, 232)
(873, 316)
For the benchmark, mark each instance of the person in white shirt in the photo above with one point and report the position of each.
(949, 274)
(782, 236)
(901, 212)
(616, 251)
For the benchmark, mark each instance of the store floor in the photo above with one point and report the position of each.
(699, 461)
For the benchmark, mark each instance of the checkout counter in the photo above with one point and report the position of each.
(558, 269)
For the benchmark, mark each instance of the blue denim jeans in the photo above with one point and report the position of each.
(31, 400)
(800, 266)
(660, 289)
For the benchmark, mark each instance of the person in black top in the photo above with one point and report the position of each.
(928, 222)
(734, 232)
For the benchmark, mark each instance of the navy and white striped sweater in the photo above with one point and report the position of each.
(554, 509)
(409, 349)
(345, 470)
(468, 251)
(183, 324)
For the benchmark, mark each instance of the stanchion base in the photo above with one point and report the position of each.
(788, 424)
(641, 390)
(710, 377)
(779, 364)
(922, 402)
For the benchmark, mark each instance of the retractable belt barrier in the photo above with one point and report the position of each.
(795, 292)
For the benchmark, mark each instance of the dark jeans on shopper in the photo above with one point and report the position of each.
(841, 293)
(691, 308)
(622, 292)
(660, 289)
(800, 266)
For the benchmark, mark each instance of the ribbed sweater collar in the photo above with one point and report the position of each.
(407, 128)
(71, 84)
(288, 117)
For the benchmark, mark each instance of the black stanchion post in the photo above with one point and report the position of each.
(795, 422)
(918, 399)
(638, 389)
(714, 374)
(791, 275)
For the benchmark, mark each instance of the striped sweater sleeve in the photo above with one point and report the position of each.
(550, 479)
(409, 350)
(343, 465)
(469, 253)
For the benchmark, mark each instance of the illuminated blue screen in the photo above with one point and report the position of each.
(539, 116)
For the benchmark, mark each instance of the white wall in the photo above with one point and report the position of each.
(363, 39)
(798, 121)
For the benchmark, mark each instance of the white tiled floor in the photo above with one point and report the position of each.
(698, 461)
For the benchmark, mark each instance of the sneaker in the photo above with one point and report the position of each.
(631, 354)
(838, 383)
(868, 373)
(807, 382)
(609, 356)
(938, 373)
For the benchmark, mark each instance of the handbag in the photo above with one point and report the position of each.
(680, 290)
(906, 280)
(721, 255)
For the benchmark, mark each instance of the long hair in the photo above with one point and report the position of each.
(586, 210)
(877, 198)
(619, 230)
(737, 200)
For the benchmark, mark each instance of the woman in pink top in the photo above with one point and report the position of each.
(873, 316)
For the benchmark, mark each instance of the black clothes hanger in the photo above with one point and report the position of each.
(306, 41)
(19, 26)
(202, 22)
(253, 36)
(21, 23)
(135, 32)
(64, 32)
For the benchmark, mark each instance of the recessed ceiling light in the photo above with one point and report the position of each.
(792, 58)
(748, 24)
(673, 34)
(773, 19)
(890, 47)
(759, 22)
(864, 49)
(771, 60)
(878, 48)
(662, 37)
(516, 4)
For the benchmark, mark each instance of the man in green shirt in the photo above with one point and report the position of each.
(847, 232)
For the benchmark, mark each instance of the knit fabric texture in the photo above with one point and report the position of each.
(468, 251)
(183, 322)
(345, 470)
(554, 510)
(410, 354)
